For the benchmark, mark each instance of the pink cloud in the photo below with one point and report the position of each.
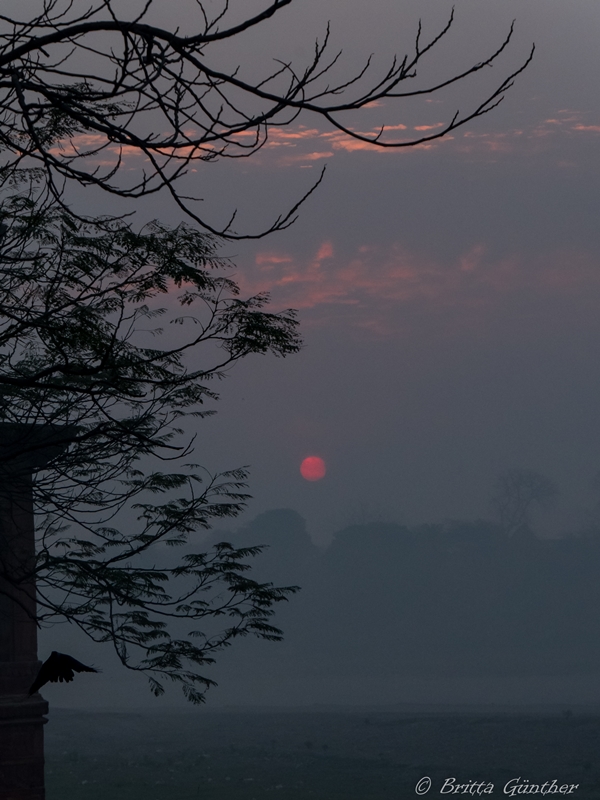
(325, 251)
(294, 134)
(302, 146)
(472, 260)
(372, 288)
(350, 145)
(272, 259)
(291, 159)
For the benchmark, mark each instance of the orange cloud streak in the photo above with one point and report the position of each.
(301, 146)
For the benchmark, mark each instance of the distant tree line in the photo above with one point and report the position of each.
(449, 598)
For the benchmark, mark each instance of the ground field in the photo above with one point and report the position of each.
(322, 755)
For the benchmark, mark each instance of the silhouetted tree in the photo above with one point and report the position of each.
(81, 86)
(518, 491)
(82, 355)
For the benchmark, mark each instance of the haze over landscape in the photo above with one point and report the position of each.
(449, 297)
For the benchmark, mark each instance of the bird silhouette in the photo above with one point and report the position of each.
(59, 667)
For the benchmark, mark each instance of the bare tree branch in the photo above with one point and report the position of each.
(125, 84)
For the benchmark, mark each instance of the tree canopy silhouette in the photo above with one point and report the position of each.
(82, 355)
(518, 491)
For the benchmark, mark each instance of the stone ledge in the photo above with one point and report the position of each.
(17, 709)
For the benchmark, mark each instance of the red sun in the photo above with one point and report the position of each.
(313, 468)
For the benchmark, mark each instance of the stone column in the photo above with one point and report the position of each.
(23, 450)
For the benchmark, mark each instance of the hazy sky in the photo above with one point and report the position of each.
(448, 295)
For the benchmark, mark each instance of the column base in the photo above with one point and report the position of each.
(21, 743)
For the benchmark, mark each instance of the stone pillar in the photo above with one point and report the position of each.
(23, 449)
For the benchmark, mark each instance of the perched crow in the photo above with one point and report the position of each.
(59, 667)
